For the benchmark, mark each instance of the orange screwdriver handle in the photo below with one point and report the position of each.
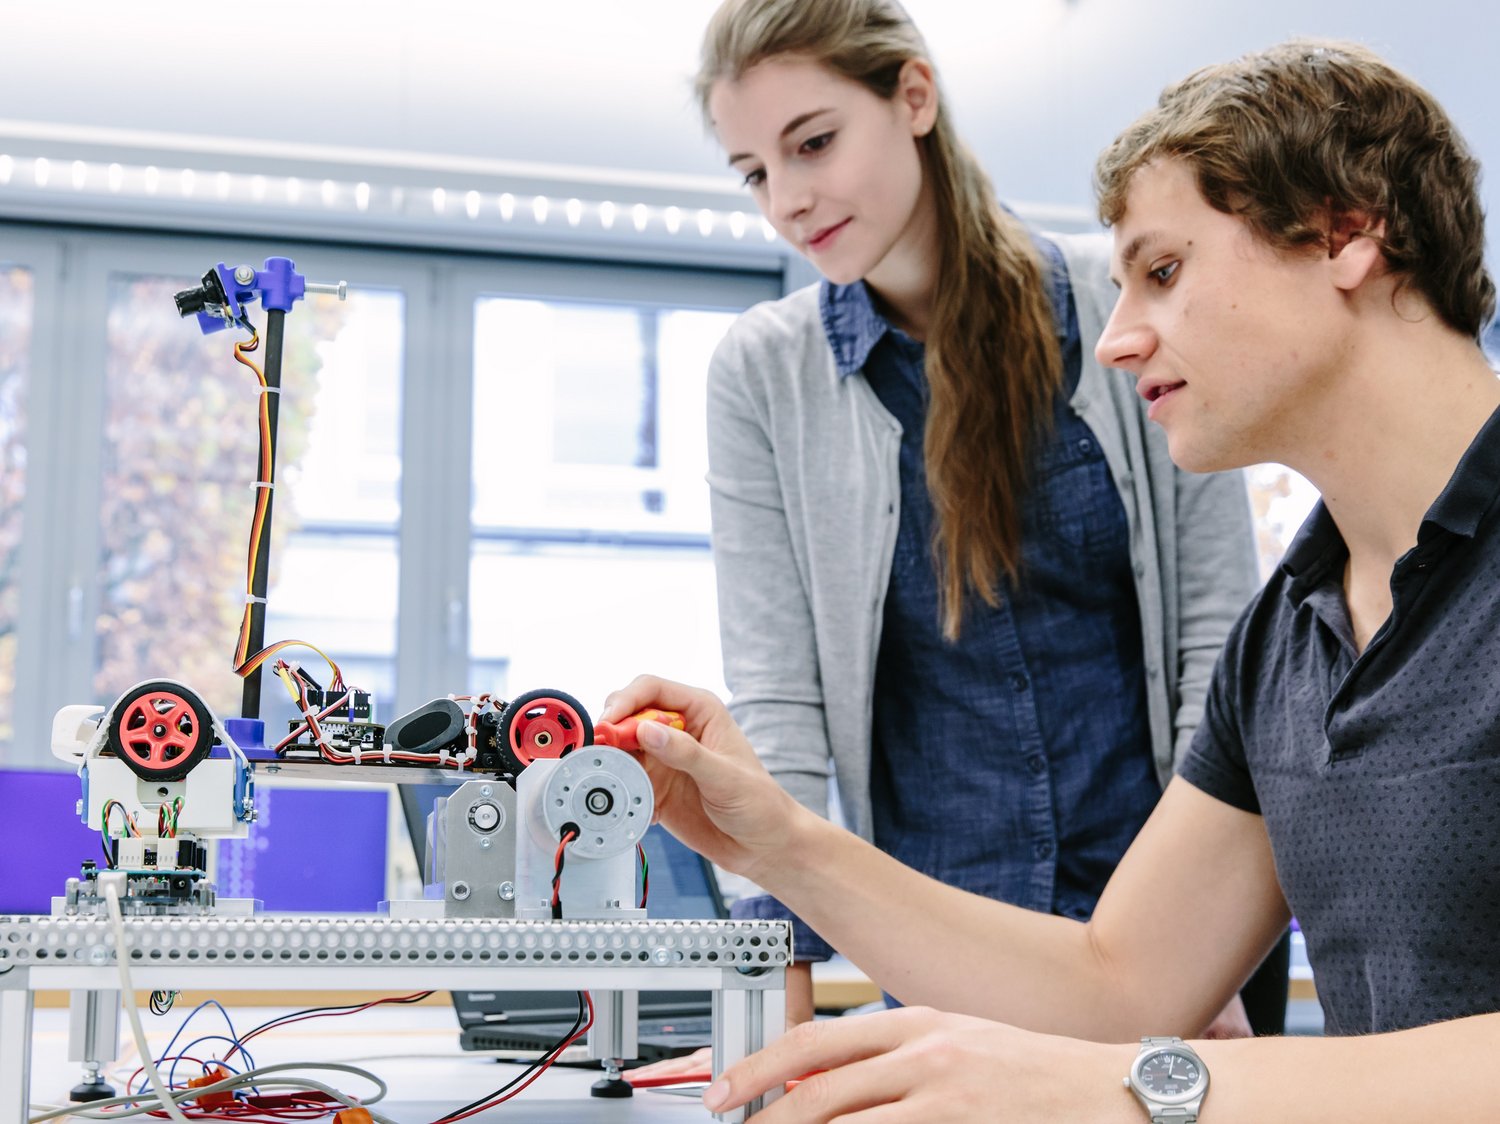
(621, 734)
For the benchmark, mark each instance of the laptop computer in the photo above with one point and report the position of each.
(671, 1023)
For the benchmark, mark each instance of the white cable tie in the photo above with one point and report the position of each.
(269, 389)
(356, 752)
(251, 599)
(385, 753)
(264, 484)
(452, 697)
(470, 730)
(443, 756)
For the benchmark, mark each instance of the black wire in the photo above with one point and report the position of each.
(270, 1023)
(562, 856)
(546, 1059)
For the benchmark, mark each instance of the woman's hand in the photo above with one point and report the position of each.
(919, 1066)
(712, 792)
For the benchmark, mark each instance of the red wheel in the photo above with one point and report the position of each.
(544, 724)
(161, 730)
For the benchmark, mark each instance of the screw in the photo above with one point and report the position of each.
(460, 891)
(485, 791)
(484, 844)
(244, 274)
(661, 956)
(507, 891)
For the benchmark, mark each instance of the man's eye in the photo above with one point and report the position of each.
(817, 143)
(1163, 274)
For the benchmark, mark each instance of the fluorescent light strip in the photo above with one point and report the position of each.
(84, 178)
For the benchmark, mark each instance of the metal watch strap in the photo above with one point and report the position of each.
(1169, 1115)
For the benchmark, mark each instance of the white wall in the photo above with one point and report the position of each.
(1039, 85)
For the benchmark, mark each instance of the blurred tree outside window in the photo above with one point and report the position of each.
(16, 313)
(179, 459)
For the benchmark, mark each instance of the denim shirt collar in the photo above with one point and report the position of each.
(854, 326)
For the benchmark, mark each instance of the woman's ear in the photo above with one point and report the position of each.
(917, 93)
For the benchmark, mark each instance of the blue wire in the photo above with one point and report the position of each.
(187, 1050)
(234, 1039)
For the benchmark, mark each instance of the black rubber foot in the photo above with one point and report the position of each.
(91, 1091)
(612, 1087)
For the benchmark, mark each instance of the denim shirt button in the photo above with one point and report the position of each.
(1044, 849)
(1019, 682)
(1036, 763)
(1085, 445)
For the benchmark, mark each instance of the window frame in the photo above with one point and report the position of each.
(72, 266)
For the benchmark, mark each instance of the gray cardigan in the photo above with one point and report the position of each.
(803, 475)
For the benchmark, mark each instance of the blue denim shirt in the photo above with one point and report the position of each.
(1015, 763)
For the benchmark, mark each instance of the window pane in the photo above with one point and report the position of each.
(590, 416)
(586, 619)
(16, 313)
(1280, 500)
(179, 459)
(591, 509)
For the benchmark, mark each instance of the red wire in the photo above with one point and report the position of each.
(277, 1025)
(557, 866)
(645, 875)
(521, 1088)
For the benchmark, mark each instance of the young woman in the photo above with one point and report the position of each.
(957, 569)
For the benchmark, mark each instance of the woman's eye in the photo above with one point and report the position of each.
(817, 143)
(1163, 274)
(755, 178)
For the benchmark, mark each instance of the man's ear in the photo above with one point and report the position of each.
(1355, 253)
(916, 89)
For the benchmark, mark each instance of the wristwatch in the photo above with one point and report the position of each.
(1170, 1079)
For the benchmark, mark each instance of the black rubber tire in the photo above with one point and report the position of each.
(139, 746)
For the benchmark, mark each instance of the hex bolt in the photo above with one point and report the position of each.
(460, 891)
(244, 274)
(661, 956)
(507, 891)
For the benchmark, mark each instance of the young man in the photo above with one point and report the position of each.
(1298, 245)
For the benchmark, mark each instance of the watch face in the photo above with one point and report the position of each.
(1169, 1073)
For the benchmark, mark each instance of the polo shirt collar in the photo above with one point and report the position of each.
(1472, 489)
(1469, 494)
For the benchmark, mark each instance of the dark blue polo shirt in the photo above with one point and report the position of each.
(1378, 773)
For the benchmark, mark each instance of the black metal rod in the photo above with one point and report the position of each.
(260, 576)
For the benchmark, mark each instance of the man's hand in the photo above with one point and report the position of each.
(919, 1066)
(712, 792)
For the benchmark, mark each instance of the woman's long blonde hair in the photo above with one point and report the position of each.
(993, 366)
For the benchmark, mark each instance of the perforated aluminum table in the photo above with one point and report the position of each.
(742, 963)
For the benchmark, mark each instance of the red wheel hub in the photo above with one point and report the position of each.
(545, 728)
(158, 729)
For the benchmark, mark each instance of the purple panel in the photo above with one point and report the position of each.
(42, 841)
(318, 850)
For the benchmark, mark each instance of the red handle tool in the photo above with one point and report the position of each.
(621, 734)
